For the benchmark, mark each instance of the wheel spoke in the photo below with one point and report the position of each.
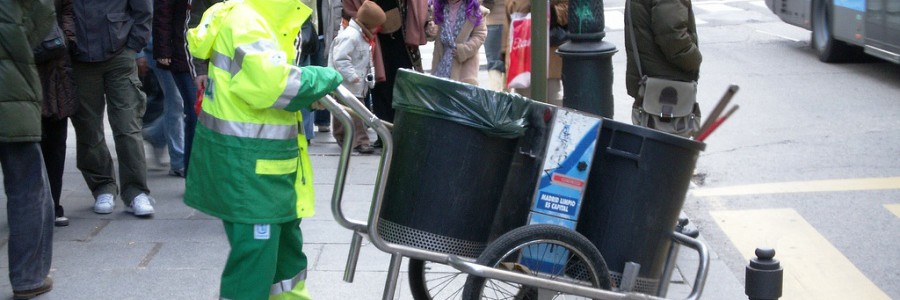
(442, 285)
(498, 290)
(441, 281)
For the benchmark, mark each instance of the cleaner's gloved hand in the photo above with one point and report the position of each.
(315, 83)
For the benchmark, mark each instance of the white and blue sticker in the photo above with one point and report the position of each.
(570, 154)
(261, 231)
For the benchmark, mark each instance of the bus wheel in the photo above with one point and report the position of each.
(827, 47)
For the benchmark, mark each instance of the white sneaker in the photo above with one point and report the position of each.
(104, 204)
(141, 205)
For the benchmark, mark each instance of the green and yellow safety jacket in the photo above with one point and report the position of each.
(249, 162)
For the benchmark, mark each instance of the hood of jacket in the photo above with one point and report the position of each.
(201, 39)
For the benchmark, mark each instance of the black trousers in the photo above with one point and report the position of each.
(53, 147)
(395, 56)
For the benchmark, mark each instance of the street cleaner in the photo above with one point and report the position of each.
(250, 165)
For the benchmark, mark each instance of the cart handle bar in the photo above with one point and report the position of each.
(702, 268)
(341, 175)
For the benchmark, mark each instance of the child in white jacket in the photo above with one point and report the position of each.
(352, 57)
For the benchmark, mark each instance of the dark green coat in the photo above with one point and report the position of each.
(666, 37)
(23, 24)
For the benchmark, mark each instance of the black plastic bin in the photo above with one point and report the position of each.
(634, 195)
(453, 147)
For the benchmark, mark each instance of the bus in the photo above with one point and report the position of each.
(844, 30)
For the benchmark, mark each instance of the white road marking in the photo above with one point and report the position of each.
(836, 185)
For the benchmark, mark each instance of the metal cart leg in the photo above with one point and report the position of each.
(672, 256)
(353, 257)
(390, 286)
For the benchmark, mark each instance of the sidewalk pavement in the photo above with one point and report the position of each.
(180, 252)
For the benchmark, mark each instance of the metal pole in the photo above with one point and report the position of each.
(539, 49)
(587, 60)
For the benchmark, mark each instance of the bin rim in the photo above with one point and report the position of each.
(655, 135)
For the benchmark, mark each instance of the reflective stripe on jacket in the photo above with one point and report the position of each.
(249, 161)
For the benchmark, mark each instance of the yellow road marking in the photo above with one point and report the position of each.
(836, 185)
(813, 268)
(894, 208)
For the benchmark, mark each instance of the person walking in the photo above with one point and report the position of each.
(392, 51)
(328, 25)
(459, 33)
(352, 57)
(55, 70)
(495, 44)
(171, 58)
(23, 25)
(666, 36)
(558, 11)
(109, 33)
(250, 166)
(166, 132)
(309, 55)
(199, 68)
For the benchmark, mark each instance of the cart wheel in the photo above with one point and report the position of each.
(433, 281)
(546, 251)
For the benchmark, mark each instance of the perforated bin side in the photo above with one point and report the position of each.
(444, 186)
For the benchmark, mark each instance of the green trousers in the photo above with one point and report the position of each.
(111, 87)
(266, 262)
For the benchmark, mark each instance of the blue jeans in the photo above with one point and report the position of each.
(168, 129)
(29, 212)
(492, 45)
(309, 128)
(309, 119)
(185, 83)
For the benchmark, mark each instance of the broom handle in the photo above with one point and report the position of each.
(717, 123)
(714, 115)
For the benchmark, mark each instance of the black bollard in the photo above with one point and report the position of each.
(764, 276)
(587, 60)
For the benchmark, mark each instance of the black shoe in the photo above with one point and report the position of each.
(364, 149)
(28, 294)
(61, 221)
(177, 173)
(378, 144)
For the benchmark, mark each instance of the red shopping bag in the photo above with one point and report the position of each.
(519, 69)
(199, 103)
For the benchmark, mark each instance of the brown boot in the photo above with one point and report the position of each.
(28, 294)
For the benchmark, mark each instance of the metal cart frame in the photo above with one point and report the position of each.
(370, 228)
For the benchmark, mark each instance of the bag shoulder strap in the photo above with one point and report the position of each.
(637, 55)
